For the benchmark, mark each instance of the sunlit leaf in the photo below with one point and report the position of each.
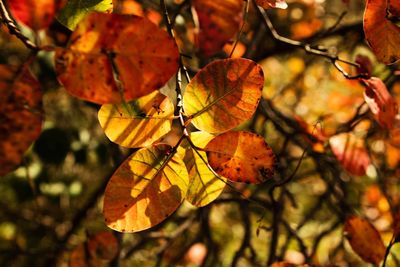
(97, 251)
(382, 34)
(204, 186)
(219, 22)
(36, 14)
(272, 4)
(241, 157)
(350, 152)
(20, 115)
(75, 10)
(364, 239)
(380, 102)
(224, 94)
(125, 44)
(137, 123)
(145, 190)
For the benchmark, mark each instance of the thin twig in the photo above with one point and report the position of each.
(13, 28)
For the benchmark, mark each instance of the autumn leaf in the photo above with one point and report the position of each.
(365, 65)
(204, 186)
(350, 152)
(137, 123)
(75, 10)
(145, 190)
(104, 45)
(364, 239)
(219, 22)
(36, 14)
(241, 157)
(272, 4)
(223, 94)
(380, 102)
(396, 226)
(382, 34)
(20, 115)
(97, 251)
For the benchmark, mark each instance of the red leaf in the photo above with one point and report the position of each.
(36, 14)
(381, 103)
(219, 21)
(350, 152)
(365, 65)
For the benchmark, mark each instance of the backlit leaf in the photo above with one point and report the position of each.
(364, 239)
(20, 115)
(380, 102)
(382, 34)
(204, 186)
(36, 14)
(350, 152)
(137, 123)
(141, 193)
(224, 94)
(272, 4)
(241, 157)
(75, 10)
(219, 22)
(129, 43)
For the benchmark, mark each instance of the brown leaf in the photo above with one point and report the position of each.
(382, 34)
(20, 115)
(364, 239)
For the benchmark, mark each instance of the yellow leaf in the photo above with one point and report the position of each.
(137, 123)
(224, 94)
(204, 186)
(145, 190)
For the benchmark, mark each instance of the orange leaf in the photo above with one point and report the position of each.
(241, 157)
(126, 44)
(382, 34)
(350, 152)
(224, 94)
(272, 3)
(219, 22)
(394, 8)
(36, 14)
(364, 239)
(145, 190)
(20, 115)
(380, 102)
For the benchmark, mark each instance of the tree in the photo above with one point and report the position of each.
(218, 160)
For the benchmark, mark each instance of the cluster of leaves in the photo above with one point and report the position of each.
(122, 62)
